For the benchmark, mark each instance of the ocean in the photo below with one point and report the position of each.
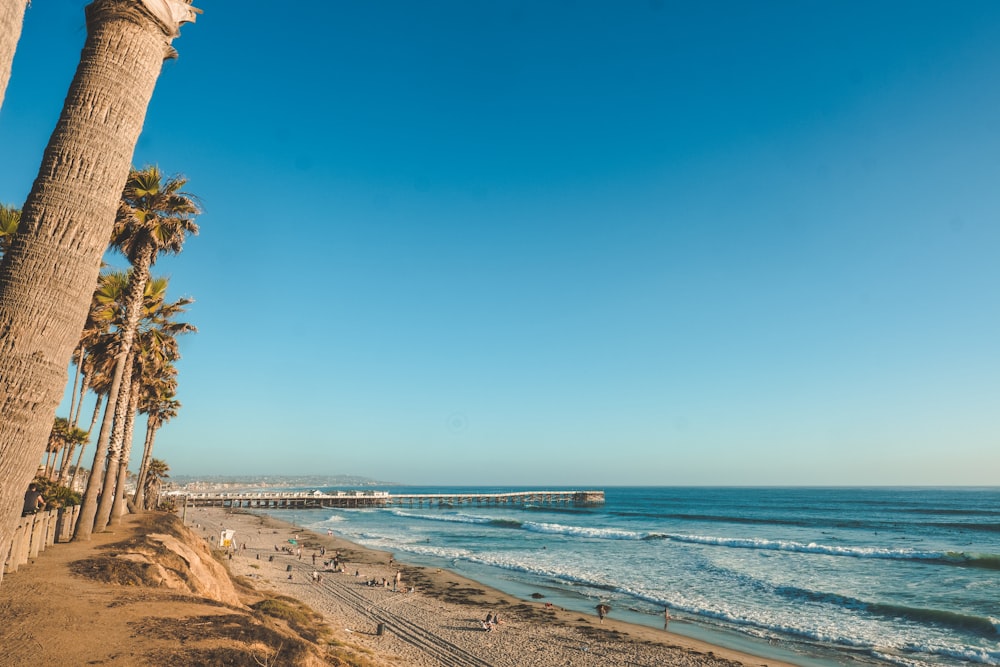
(815, 576)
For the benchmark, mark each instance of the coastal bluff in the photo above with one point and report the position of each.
(151, 592)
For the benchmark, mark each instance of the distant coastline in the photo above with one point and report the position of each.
(230, 482)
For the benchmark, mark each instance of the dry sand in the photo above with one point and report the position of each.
(440, 622)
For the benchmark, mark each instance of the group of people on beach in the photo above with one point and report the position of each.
(384, 583)
(603, 609)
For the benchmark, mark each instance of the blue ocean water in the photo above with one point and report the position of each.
(889, 576)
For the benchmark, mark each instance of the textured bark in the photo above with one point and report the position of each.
(11, 20)
(117, 400)
(118, 509)
(139, 499)
(47, 278)
(88, 508)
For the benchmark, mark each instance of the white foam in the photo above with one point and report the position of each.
(445, 518)
(812, 547)
(578, 531)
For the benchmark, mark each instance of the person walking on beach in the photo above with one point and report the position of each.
(399, 578)
(666, 617)
(602, 611)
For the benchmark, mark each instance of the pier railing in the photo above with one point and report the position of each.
(362, 499)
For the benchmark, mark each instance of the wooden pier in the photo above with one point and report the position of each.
(363, 499)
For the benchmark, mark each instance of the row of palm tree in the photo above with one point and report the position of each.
(48, 274)
(133, 338)
(64, 439)
(128, 347)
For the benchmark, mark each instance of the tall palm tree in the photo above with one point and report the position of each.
(154, 353)
(157, 472)
(48, 275)
(108, 318)
(75, 437)
(96, 325)
(98, 365)
(57, 441)
(131, 396)
(155, 216)
(160, 405)
(101, 341)
(94, 355)
(11, 20)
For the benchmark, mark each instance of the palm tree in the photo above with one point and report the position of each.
(48, 275)
(11, 19)
(57, 440)
(154, 354)
(88, 358)
(97, 324)
(160, 404)
(155, 216)
(108, 318)
(157, 472)
(10, 219)
(98, 366)
(130, 395)
(94, 355)
(75, 437)
(101, 339)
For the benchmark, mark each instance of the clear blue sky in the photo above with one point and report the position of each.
(581, 243)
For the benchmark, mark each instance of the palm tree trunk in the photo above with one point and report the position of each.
(11, 20)
(93, 422)
(51, 472)
(77, 359)
(47, 278)
(116, 437)
(84, 385)
(118, 509)
(139, 500)
(95, 481)
(45, 466)
(67, 459)
(97, 413)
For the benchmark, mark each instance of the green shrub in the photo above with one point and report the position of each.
(56, 496)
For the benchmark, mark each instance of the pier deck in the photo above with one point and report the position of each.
(360, 499)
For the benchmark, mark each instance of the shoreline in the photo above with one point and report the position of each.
(441, 619)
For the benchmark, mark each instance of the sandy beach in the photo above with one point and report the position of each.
(435, 617)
